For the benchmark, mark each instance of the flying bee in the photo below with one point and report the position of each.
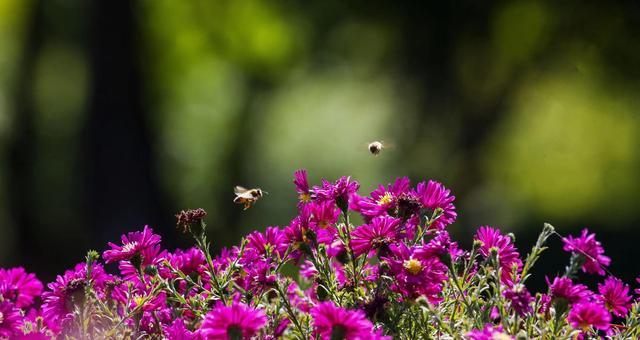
(247, 197)
(376, 147)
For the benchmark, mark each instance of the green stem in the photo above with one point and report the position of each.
(454, 278)
(348, 246)
(292, 315)
(204, 247)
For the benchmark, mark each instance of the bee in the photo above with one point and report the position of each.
(375, 147)
(247, 197)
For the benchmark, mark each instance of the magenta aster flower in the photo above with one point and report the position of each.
(382, 200)
(564, 288)
(592, 251)
(298, 298)
(378, 234)
(589, 314)
(178, 331)
(297, 231)
(133, 244)
(280, 328)
(68, 291)
(225, 258)
(149, 256)
(237, 321)
(273, 240)
(615, 295)
(188, 261)
(19, 287)
(302, 186)
(416, 274)
(153, 321)
(441, 245)
(519, 298)
(338, 192)
(331, 322)
(508, 256)
(324, 216)
(257, 276)
(489, 332)
(10, 319)
(434, 195)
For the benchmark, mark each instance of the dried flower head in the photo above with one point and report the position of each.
(188, 218)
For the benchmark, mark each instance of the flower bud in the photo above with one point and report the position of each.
(422, 300)
(477, 244)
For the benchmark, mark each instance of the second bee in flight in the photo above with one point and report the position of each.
(247, 197)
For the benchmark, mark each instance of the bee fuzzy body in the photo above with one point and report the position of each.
(247, 197)
(375, 147)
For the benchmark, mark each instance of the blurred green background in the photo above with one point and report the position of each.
(116, 114)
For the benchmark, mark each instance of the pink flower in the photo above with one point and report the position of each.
(178, 331)
(188, 261)
(10, 320)
(590, 249)
(416, 274)
(68, 291)
(489, 332)
(225, 258)
(441, 245)
(378, 234)
(324, 215)
(508, 256)
(298, 230)
(232, 322)
(302, 186)
(520, 299)
(434, 195)
(132, 244)
(19, 287)
(615, 295)
(564, 288)
(331, 322)
(149, 256)
(382, 200)
(338, 192)
(587, 314)
(273, 240)
(258, 277)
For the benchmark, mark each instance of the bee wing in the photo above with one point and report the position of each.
(388, 143)
(238, 190)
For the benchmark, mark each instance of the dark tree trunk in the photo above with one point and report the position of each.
(21, 150)
(122, 191)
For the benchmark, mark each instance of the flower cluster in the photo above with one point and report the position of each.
(395, 274)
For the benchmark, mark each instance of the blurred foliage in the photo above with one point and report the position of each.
(527, 109)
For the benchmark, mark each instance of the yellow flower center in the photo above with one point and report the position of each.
(413, 266)
(138, 300)
(386, 199)
(305, 198)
